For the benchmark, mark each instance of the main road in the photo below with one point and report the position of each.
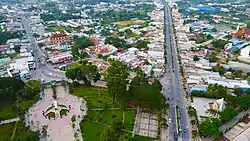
(43, 70)
(172, 83)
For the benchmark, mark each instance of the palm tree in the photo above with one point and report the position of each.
(193, 122)
(212, 112)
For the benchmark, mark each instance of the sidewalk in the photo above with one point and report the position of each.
(9, 120)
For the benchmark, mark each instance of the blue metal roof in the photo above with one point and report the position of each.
(204, 9)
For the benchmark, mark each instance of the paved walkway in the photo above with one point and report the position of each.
(9, 120)
(59, 129)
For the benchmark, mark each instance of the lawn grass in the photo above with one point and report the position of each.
(22, 133)
(6, 131)
(83, 91)
(100, 102)
(96, 97)
(25, 134)
(7, 112)
(91, 131)
(129, 119)
(110, 115)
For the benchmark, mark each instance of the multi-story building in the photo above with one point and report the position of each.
(61, 37)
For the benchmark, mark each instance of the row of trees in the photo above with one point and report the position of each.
(121, 43)
(13, 89)
(61, 16)
(110, 16)
(5, 36)
(81, 43)
(85, 71)
(139, 90)
(219, 43)
(145, 95)
(210, 127)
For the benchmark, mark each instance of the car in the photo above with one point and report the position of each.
(185, 130)
(169, 120)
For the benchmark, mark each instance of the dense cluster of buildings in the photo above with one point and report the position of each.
(16, 59)
(197, 68)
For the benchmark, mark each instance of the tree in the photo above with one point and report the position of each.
(213, 57)
(244, 101)
(117, 42)
(108, 134)
(44, 130)
(196, 58)
(117, 75)
(209, 127)
(212, 112)
(194, 133)
(248, 24)
(71, 73)
(83, 55)
(141, 44)
(219, 43)
(222, 70)
(86, 72)
(193, 122)
(4, 36)
(227, 114)
(238, 74)
(41, 44)
(146, 95)
(54, 95)
(214, 30)
(238, 91)
(117, 126)
(125, 137)
(81, 43)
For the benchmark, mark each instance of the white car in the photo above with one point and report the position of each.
(169, 120)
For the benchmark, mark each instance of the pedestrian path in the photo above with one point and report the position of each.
(9, 120)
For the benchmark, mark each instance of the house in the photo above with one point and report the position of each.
(241, 31)
(236, 44)
(218, 105)
(60, 37)
(245, 52)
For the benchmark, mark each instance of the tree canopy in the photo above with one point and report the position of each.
(141, 44)
(113, 132)
(214, 91)
(117, 42)
(209, 127)
(5, 36)
(117, 78)
(81, 43)
(219, 43)
(146, 95)
(227, 114)
(86, 71)
(58, 16)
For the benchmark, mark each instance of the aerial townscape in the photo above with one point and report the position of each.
(124, 70)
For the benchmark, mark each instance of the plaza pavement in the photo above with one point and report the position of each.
(59, 129)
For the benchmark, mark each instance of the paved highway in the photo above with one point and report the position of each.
(43, 70)
(172, 83)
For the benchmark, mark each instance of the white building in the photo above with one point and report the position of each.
(245, 52)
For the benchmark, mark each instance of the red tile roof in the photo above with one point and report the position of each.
(104, 50)
(241, 32)
(223, 138)
(246, 120)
